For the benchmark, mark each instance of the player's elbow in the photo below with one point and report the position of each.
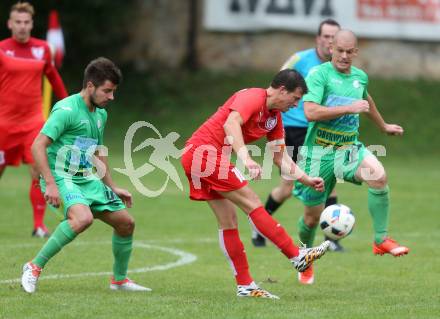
(310, 112)
(35, 146)
(310, 116)
(230, 126)
(40, 143)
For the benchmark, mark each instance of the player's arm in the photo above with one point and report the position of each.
(41, 143)
(101, 164)
(289, 170)
(315, 112)
(375, 116)
(57, 83)
(290, 62)
(54, 77)
(232, 128)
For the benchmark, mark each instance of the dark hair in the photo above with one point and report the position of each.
(290, 79)
(100, 70)
(329, 22)
(23, 7)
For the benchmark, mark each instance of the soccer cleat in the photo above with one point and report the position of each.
(308, 255)
(335, 245)
(253, 290)
(127, 285)
(30, 276)
(40, 232)
(389, 246)
(306, 277)
(257, 239)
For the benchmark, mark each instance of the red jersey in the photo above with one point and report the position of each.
(22, 66)
(258, 121)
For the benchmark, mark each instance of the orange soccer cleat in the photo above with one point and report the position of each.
(390, 246)
(306, 277)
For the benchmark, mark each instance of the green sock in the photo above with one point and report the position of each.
(122, 247)
(379, 206)
(306, 233)
(62, 235)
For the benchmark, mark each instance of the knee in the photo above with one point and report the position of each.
(81, 222)
(252, 202)
(126, 227)
(286, 190)
(311, 220)
(380, 182)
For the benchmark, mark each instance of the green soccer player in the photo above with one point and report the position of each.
(75, 176)
(337, 95)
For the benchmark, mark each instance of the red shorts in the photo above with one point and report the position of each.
(208, 172)
(15, 146)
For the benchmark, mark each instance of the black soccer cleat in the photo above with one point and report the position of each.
(258, 240)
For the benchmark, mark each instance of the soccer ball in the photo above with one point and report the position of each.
(336, 221)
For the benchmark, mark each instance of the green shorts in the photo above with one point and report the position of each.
(340, 165)
(92, 192)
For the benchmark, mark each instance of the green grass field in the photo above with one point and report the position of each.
(177, 253)
(352, 285)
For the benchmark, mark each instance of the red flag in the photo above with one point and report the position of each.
(55, 37)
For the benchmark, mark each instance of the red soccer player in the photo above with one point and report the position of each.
(23, 61)
(245, 117)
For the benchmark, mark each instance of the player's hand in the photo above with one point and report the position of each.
(124, 195)
(254, 169)
(317, 183)
(360, 106)
(393, 129)
(51, 195)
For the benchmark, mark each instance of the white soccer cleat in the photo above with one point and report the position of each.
(307, 256)
(30, 276)
(127, 285)
(40, 232)
(253, 290)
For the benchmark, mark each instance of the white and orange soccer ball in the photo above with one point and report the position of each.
(337, 221)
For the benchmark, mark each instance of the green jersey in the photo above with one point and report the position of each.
(75, 133)
(329, 88)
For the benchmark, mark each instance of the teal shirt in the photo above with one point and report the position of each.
(75, 133)
(302, 62)
(328, 87)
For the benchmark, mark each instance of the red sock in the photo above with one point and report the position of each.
(272, 230)
(38, 203)
(233, 249)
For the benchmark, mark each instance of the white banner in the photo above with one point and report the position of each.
(399, 19)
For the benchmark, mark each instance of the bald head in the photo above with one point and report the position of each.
(346, 36)
(344, 49)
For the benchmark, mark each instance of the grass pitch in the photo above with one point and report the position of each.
(355, 284)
